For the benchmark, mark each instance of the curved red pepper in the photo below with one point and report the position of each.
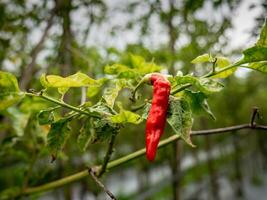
(157, 115)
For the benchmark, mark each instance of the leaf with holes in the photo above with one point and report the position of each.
(125, 116)
(111, 93)
(205, 85)
(85, 137)
(180, 119)
(57, 136)
(46, 116)
(198, 102)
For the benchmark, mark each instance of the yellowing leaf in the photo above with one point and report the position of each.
(259, 66)
(9, 90)
(76, 80)
(111, 93)
(221, 63)
(126, 116)
(95, 88)
(202, 58)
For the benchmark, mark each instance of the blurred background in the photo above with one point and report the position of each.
(65, 36)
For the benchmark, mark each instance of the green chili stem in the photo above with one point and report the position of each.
(63, 104)
(132, 156)
(224, 69)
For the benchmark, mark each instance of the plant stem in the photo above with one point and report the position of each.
(107, 156)
(63, 104)
(224, 69)
(181, 88)
(132, 156)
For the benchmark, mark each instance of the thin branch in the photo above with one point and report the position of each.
(29, 172)
(107, 156)
(63, 104)
(28, 70)
(134, 155)
(92, 172)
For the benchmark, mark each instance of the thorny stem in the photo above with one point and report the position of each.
(107, 156)
(63, 104)
(92, 172)
(132, 156)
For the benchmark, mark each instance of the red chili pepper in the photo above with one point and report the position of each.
(157, 115)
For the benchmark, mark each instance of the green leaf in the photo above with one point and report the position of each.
(198, 102)
(10, 193)
(101, 108)
(126, 116)
(262, 41)
(64, 83)
(46, 116)
(202, 59)
(180, 118)
(142, 66)
(85, 136)
(254, 54)
(146, 110)
(18, 120)
(222, 62)
(111, 93)
(95, 88)
(121, 71)
(205, 85)
(259, 51)
(208, 86)
(103, 129)
(139, 67)
(9, 90)
(57, 136)
(259, 66)
(97, 130)
(34, 104)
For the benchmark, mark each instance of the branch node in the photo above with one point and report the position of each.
(214, 65)
(255, 112)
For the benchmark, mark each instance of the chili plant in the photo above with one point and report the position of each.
(175, 100)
